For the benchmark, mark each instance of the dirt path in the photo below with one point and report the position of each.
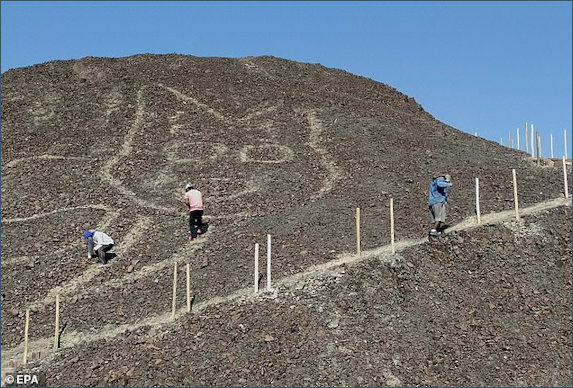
(14, 162)
(67, 209)
(13, 355)
(205, 107)
(78, 285)
(110, 216)
(333, 172)
(126, 149)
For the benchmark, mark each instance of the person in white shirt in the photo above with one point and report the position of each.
(98, 244)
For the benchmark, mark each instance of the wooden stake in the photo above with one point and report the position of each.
(358, 231)
(565, 142)
(531, 137)
(517, 137)
(538, 148)
(174, 301)
(565, 179)
(526, 146)
(268, 262)
(188, 288)
(515, 194)
(57, 325)
(551, 142)
(26, 336)
(256, 268)
(477, 202)
(509, 138)
(392, 225)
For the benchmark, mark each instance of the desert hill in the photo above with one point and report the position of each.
(277, 147)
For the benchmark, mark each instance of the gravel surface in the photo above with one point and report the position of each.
(277, 147)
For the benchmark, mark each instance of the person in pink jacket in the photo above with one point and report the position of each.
(194, 201)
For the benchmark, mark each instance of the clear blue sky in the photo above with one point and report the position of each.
(485, 67)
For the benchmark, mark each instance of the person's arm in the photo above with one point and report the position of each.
(186, 202)
(442, 183)
(90, 247)
(97, 243)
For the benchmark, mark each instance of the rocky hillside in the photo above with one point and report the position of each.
(277, 147)
(458, 313)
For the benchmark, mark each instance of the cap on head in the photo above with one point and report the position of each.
(447, 177)
(87, 234)
(188, 186)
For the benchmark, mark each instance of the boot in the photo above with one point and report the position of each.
(434, 232)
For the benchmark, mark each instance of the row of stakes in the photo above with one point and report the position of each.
(537, 141)
(268, 278)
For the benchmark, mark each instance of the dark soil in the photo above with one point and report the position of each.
(454, 313)
(277, 147)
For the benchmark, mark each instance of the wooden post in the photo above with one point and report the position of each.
(268, 262)
(515, 194)
(188, 288)
(358, 231)
(477, 202)
(256, 268)
(173, 302)
(526, 146)
(26, 336)
(510, 144)
(57, 325)
(565, 179)
(531, 137)
(538, 148)
(392, 225)
(501, 141)
(551, 144)
(517, 137)
(565, 142)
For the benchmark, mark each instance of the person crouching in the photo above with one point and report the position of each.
(98, 244)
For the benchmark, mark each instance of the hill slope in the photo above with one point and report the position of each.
(276, 146)
(456, 313)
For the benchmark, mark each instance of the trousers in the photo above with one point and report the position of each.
(195, 221)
